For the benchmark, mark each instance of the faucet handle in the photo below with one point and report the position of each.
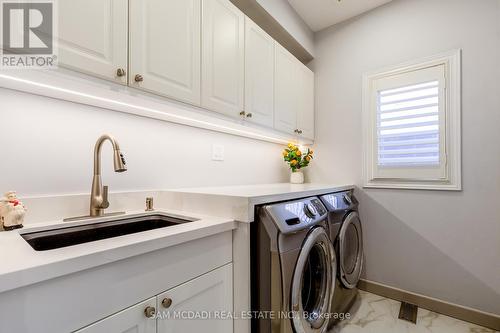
(105, 202)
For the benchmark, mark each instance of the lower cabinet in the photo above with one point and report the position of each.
(199, 305)
(203, 304)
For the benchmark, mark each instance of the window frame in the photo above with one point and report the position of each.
(451, 134)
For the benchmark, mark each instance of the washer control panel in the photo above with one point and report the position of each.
(296, 215)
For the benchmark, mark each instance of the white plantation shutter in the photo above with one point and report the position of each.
(408, 126)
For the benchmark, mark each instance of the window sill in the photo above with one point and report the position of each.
(434, 186)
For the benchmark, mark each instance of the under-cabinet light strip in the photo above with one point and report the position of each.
(203, 124)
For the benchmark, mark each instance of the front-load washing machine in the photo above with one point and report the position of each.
(293, 268)
(347, 236)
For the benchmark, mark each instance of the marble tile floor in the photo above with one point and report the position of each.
(376, 314)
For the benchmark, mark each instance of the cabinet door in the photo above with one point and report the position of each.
(259, 75)
(285, 90)
(165, 47)
(208, 294)
(130, 320)
(92, 37)
(305, 115)
(222, 57)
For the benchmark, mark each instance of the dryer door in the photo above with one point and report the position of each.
(313, 283)
(350, 241)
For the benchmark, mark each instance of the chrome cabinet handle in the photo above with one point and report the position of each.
(299, 131)
(120, 72)
(150, 311)
(138, 78)
(166, 303)
(249, 115)
(242, 113)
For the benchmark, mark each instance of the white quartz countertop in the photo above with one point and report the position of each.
(21, 265)
(239, 201)
(281, 191)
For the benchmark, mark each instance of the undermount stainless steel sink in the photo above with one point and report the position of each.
(68, 236)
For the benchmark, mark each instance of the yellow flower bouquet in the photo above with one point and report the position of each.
(295, 158)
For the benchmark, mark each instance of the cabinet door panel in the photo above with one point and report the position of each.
(92, 37)
(222, 57)
(285, 90)
(208, 293)
(165, 47)
(130, 320)
(259, 74)
(305, 116)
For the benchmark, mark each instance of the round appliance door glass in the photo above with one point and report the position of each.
(351, 250)
(313, 283)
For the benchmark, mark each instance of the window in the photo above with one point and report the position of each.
(411, 125)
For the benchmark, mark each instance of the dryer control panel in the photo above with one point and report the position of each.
(339, 201)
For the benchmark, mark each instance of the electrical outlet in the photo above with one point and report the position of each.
(217, 153)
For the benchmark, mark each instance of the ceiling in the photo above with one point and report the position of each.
(319, 14)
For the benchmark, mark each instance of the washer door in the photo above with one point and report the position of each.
(313, 283)
(350, 250)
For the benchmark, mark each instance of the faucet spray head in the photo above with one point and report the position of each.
(119, 161)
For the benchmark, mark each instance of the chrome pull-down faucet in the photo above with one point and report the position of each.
(99, 194)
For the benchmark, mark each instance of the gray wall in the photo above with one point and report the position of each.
(284, 13)
(437, 243)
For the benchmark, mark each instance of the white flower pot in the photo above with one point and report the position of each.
(297, 177)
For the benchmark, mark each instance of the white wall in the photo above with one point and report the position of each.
(48, 149)
(283, 12)
(440, 244)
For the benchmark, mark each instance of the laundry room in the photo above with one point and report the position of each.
(250, 166)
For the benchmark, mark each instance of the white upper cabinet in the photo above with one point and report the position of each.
(202, 52)
(259, 75)
(305, 115)
(285, 90)
(92, 37)
(165, 48)
(206, 294)
(223, 28)
(132, 319)
(293, 95)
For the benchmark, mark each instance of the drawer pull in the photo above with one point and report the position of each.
(166, 303)
(120, 72)
(138, 78)
(150, 311)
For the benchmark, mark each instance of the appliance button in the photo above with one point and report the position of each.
(310, 210)
(347, 199)
(319, 207)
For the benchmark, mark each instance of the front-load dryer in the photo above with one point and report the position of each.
(347, 236)
(293, 268)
